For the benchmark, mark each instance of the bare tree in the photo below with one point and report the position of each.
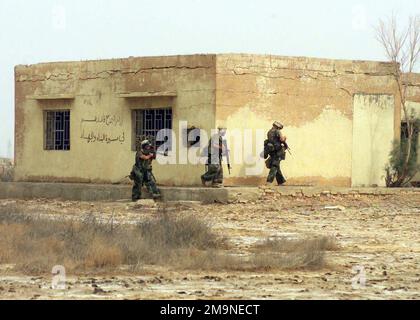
(402, 48)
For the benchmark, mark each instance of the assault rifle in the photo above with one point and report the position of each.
(225, 148)
(286, 146)
(152, 150)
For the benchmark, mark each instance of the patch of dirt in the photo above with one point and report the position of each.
(377, 233)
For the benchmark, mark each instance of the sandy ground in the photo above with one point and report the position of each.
(378, 233)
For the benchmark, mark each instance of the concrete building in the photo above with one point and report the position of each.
(78, 121)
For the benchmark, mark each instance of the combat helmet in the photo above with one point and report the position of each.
(278, 124)
(145, 143)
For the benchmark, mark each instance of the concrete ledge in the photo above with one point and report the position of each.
(109, 192)
(81, 192)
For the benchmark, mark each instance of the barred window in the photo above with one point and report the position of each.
(57, 130)
(148, 122)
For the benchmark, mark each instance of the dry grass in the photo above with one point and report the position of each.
(308, 252)
(36, 244)
(179, 231)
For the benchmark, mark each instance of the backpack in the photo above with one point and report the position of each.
(268, 148)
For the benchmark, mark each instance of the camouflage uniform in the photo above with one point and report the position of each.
(214, 163)
(142, 174)
(275, 137)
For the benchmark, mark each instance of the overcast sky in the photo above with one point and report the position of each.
(60, 30)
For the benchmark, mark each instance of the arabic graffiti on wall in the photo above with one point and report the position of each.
(102, 137)
(106, 120)
(104, 128)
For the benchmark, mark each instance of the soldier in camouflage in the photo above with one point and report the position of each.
(277, 152)
(142, 171)
(216, 151)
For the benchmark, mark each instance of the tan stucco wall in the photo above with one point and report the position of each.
(96, 85)
(314, 100)
(373, 115)
(414, 109)
(413, 92)
(414, 106)
(312, 97)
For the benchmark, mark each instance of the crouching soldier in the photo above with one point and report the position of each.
(142, 171)
(275, 147)
(217, 148)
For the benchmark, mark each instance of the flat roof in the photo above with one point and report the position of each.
(233, 55)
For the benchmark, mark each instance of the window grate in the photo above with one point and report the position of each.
(57, 130)
(148, 122)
